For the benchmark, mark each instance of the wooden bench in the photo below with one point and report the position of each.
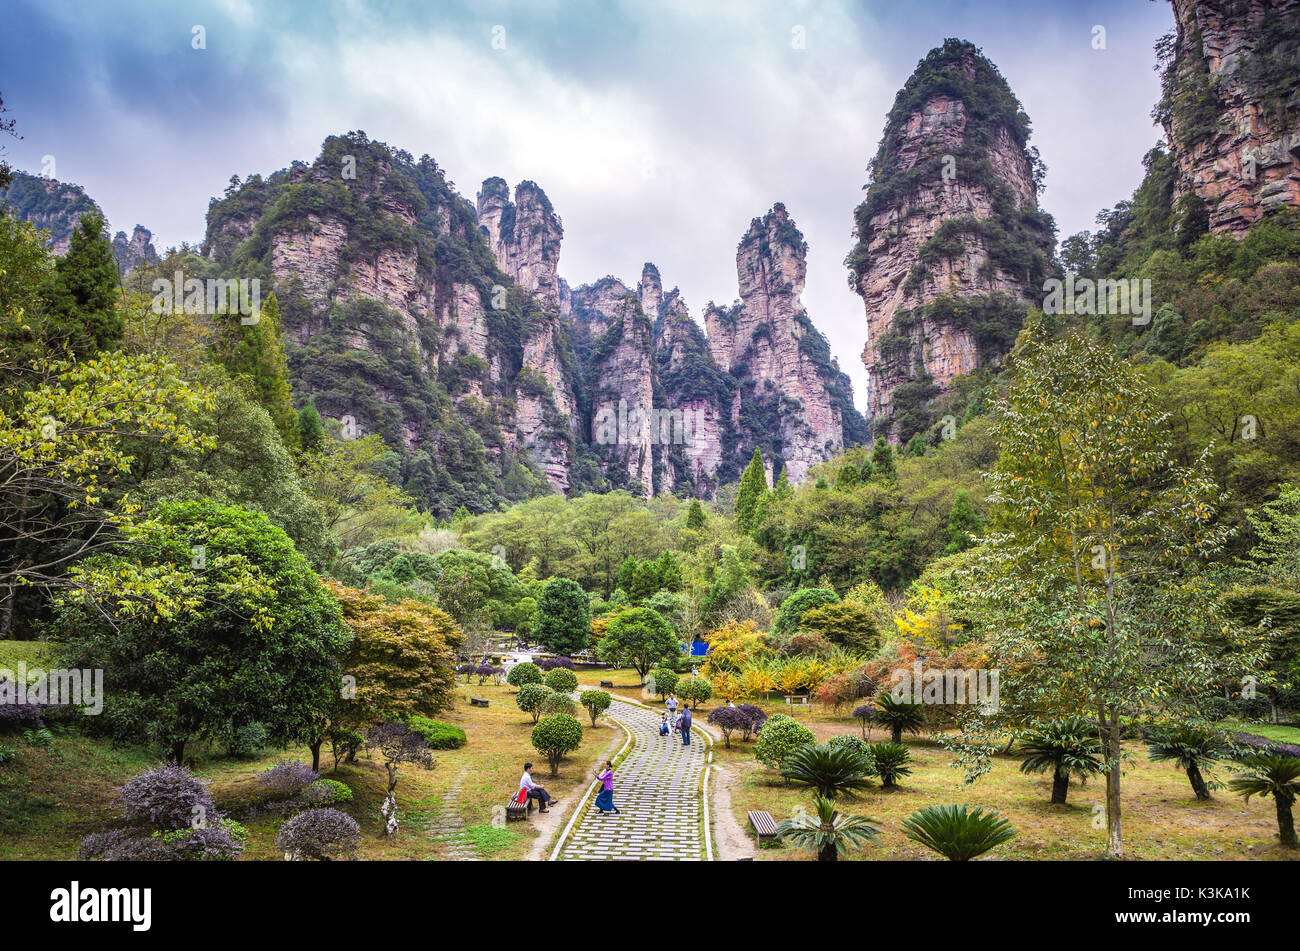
(478, 702)
(764, 826)
(607, 683)
(518, 810)
(800, 699)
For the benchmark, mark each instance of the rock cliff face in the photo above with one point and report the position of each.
(445, 327)
(779, 360)
(951, 215)
(1231, 107)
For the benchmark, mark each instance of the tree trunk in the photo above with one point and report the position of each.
(178, 753)
(7, 613)
(1198, 782)
(1285, 822)
(315, 755)
(1060, 784)
(828, 854)
(1111, 742)
(897, 733)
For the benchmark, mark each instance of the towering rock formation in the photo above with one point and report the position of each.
(1231, 108)
(525, 237)
(950, 238)
(131, 254)
(780, 361)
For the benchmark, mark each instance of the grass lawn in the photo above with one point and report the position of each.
(52, 798)
(1269, 731)
(35, 653)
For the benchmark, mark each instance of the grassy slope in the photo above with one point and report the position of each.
(50, 799)
(1162, 819)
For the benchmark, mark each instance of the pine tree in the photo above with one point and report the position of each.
(311, 431)
(83, 291)
(847, 477)
(695, 515)
(257, 354)
(882, 461)
(753, 487)
(963, 521)
(783, 488)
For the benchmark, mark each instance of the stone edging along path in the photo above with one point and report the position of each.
(659, 786)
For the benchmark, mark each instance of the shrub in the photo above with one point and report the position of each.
(596, 702)
(562, 679)
(729, 720)
(522, 674)
(831, 770)
(1062, 747)
(170, 816)
(899, 715)
(781, 735)
(755, 717)
(440, 736)
(665, 680)
(555, 736)
(287, 779)
(320, 834)
(531, 697)
(696, 690)
(956, 833)
(550, 663)
(793, 607)
(327, 792)
(245, 741)
(40, 737)
(891, 762)
(467, 670)
(485, 671)
(867, 714)
(7, 753)
(557, 702)
(859, 746)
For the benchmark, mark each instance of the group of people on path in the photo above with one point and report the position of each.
(676, 722)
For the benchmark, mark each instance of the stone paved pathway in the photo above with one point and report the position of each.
(447, 827)
(657, 787)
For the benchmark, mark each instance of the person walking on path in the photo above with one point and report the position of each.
(686, 726)
(605, 798)
(531, 790)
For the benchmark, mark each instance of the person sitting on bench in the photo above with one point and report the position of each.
(535, 791)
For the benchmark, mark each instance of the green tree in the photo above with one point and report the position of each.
(753, 489)
(555, 736)
(83, 314)
(793, 607)
(563, 620)
(254, 351)
(883, 466)
(596, 702)
(848, 624)
(1062, 747)
(639, 638)
(695, 515)
(254, 640)
(311, 431)
(1098, 568)
(963, 523)
(1276, 775)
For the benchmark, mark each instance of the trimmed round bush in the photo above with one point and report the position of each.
(327, 792)
(665, 680)
(562, 679)
(531, 697)
(287, 779)
(596, 702)
(857, 744)
(781, 735)
(166, 798)
(441, 736)
(695, 689)
(525, 673)
(321, 834)
(754, 716)
(550, 663)
(556, 735)
(557, 702)
(729, 720)
(468, 670)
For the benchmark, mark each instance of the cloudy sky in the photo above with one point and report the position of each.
(658, 128)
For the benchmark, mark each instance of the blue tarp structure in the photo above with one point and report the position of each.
(696, 648)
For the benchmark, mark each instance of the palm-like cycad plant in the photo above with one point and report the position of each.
(891, 762)
(1272, 774)
(899, 715)
(830, 770)
(1062, 747)
(827, 831)
(1192, 747)
(957, 833)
